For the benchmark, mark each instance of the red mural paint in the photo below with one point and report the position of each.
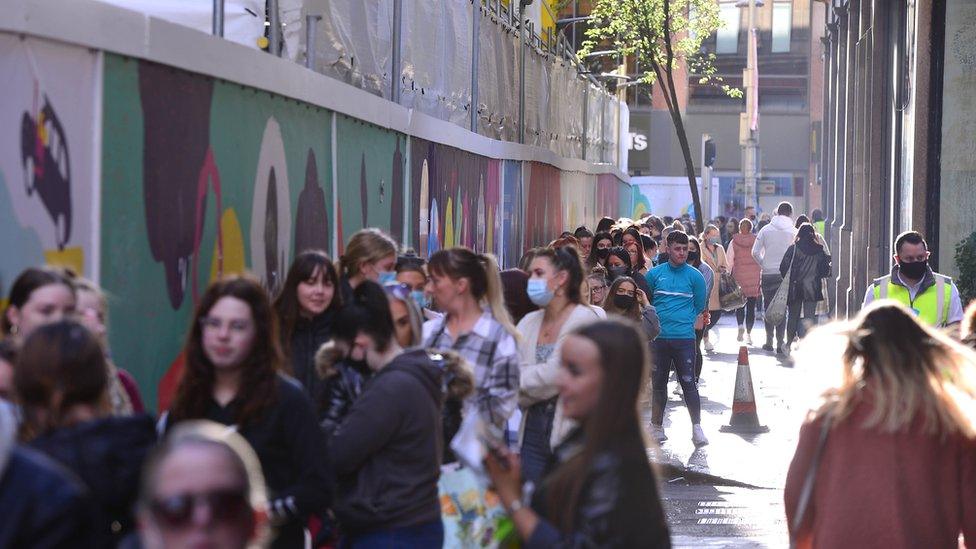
(209, 175)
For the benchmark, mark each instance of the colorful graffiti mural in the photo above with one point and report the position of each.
(46, 153)
(200, 178)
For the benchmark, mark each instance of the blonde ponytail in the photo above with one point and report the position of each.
(495, 294)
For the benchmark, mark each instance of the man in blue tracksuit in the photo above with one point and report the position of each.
(679, 296)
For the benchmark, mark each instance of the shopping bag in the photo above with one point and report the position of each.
(776, 308)
(472, 514)
(729, 293)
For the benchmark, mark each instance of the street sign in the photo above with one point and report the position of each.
(763, 187)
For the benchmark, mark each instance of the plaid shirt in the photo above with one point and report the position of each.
(493, 354)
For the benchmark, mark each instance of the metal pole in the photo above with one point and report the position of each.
(575, 11)
(396, 61)
(751, 159)
(218, 18)
(475, 52)
(586, 109)
(521, 128)
(706, 178)
(603, 127)
(311, 22)
(275, 33)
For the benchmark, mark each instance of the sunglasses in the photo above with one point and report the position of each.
(225, 506)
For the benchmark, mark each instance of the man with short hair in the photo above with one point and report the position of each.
(679, 295)
(768, 250)
(933, 297)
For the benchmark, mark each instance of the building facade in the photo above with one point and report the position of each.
(899, 134)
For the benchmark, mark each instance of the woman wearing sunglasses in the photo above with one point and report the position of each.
(62, 384)
(233, 365)
(203, 487)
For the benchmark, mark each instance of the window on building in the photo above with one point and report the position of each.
(727, 36)
(782, 25)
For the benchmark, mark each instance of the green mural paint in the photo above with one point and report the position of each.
(365, 156)
(261, 155)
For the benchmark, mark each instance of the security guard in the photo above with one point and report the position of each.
(931, 296)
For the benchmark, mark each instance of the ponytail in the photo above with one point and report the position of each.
(458, 374)
(495, 294)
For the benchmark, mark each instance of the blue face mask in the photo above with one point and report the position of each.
(539, 292)
(420, 298)
(387, 277)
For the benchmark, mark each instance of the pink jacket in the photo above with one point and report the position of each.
(744, 268)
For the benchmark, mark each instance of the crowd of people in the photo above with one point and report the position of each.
(322, 416)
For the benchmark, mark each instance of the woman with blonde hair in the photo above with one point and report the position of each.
(889, 458)
(466, 286)
(370, 254)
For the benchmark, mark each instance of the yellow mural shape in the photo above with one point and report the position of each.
(449, 224)
(233, 246)
(72, 258)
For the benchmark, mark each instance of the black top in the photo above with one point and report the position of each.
(107, 455)
(306, 338)
(293, 454)
(387, 451)
(619, 505)
(809, 266)
(341, 390)
(43, 505)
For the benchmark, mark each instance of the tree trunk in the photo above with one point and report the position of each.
(679, 129)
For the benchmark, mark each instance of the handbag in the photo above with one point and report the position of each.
(776, 308)
(807, 491)
(730, 293)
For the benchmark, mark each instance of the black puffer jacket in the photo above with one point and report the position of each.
(306, 338)
(618, 507)
(810, 265)
(342, 388)
(107, 455)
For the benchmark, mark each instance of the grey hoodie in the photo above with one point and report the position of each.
(387, 451)
(772, 242)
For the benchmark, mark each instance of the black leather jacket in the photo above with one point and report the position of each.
(809, 266)
(619, 505)
(341, 390)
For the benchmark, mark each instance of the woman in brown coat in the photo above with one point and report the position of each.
(747, 273)
(713, 254)
(897, 457)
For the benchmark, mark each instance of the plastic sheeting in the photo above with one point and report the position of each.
(436, 58)
(354, 42)
(243, 19)
(497, 81)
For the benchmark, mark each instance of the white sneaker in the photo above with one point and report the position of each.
(708, 345)
(742, 332)
(749, 340)
(698, 436)
(657, 433)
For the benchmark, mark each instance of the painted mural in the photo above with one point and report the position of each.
(371, 177)
(46, 153)
(200, 177)
(458, 199)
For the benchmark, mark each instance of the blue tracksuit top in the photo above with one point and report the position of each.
(679, 296)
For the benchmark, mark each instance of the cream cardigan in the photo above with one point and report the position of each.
(537, 381)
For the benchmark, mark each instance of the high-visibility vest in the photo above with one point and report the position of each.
(931, 305)
(819, 226)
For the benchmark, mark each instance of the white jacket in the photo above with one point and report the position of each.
(537, 381)
(772, 242)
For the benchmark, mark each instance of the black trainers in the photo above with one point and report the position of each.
(768, 347)
(779, 350)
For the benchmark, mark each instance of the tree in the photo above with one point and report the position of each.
(660, 35)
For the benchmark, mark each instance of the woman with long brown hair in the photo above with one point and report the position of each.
(602, 491)
(306, 307)
(889, 458)
(233, 365)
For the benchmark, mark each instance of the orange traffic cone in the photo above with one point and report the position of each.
(745, 419)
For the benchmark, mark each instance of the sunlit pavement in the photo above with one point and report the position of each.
(729, 493)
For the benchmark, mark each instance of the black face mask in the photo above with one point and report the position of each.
(617, 271)
(915, 270)
(623, 302)
(693, 257)
(603, 253)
